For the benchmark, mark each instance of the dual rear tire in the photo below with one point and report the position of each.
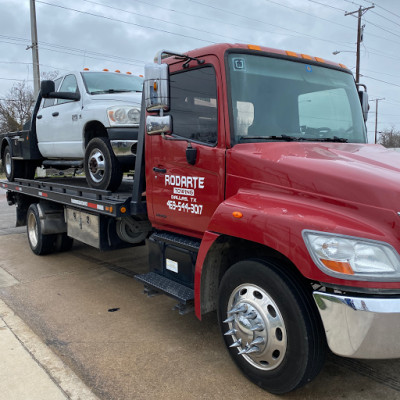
(17, 168)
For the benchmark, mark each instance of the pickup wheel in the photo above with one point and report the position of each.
(102, 168)
(270, 325)
(39, 243)
(14, 168)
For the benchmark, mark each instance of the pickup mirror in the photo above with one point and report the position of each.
(156, 125)
(156, 87)
(48, 91)
(363, 95)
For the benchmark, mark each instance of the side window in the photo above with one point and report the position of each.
(69, 85)
(50, 102)
(194, 105)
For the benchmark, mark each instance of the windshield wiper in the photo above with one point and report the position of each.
(112, 91)
(287, 138)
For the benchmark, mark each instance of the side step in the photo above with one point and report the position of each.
(166, 286)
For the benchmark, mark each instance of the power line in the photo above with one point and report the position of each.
(326, 5)
(380, 80)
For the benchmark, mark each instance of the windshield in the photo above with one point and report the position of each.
(275, 99)
(108, 82)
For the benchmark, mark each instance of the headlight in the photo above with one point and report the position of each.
(123, 115)
(348, 257)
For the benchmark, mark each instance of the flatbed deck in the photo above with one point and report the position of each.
(75, 192)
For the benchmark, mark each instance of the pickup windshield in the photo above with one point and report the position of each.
(109, 82)
(281, 100)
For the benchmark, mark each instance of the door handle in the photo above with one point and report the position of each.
(39, 116)
(55, 114)
(160, 170)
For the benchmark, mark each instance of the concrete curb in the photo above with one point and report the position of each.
(38, 365)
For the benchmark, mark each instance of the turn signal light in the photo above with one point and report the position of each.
(237, 214)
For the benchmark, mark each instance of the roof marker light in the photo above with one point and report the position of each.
(117, 70)
(319, 59)
(129, 73)
(253, 47)
(291, 53)
(105, 70)
(306, 57)
(86, 69)
(343, 66)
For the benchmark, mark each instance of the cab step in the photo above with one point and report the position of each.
(154, 282)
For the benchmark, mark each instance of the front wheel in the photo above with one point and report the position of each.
(270, 325)
(102, 168)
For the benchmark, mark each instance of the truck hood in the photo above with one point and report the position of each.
(361, 173)
(126, 98)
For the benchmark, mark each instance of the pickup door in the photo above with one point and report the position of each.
(183, 197)
(59, 124)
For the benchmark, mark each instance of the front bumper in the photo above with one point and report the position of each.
(360, 327)
(123, 140)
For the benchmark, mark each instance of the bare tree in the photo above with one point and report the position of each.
(16, 107)
(390, 138)
(49, 75)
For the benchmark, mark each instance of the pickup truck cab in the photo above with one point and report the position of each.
(84, 119)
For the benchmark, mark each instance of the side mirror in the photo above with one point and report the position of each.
(156, 87)
(156, 125)
(48, 91)
(363, 95)
(47, 87)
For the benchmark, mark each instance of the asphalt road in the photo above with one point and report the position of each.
(86, 308)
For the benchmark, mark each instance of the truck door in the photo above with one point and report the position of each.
(59, 127)
(183, 197)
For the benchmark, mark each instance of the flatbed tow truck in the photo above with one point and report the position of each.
(259, 198)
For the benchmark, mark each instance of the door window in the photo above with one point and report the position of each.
(69, 85)
(50, 102)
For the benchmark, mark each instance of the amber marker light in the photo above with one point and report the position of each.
(155, 86)
(117, 70)
(123, 210)
(338, 266)
(129, 73)
(319, 59)
(237, 214)
(343, 66)
(306, 57)
(105, 69)
(253, 47)
(291, 53)
(86, 69)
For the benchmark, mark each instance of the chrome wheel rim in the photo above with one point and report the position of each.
(256, 326)
(97, 165)
(8, 163)
(33, 233)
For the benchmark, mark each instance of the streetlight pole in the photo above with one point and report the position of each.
(361, 11)
(376, 118)
(34, 47)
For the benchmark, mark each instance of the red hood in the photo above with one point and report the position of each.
(368, 174)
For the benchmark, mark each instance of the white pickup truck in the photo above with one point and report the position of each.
(84, 119)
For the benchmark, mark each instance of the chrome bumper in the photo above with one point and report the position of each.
(123, 147)
(360, 327)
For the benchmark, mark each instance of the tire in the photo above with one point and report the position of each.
(270, 325)
(17, 168)
(63, 242)
(40, 244)
(14, 168)
(102, 168)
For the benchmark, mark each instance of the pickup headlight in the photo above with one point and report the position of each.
(348, 257)
(123, 115)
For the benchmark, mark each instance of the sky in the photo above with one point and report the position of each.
(126, 34)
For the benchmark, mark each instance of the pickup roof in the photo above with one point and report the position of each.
(82, 119)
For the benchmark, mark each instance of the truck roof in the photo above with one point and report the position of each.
(221, 48)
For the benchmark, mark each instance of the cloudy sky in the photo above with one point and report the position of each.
(126, 34)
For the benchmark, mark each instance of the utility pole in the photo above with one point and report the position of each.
(376, 117)
(34, 47)
(360, 30)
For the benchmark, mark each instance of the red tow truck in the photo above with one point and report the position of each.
(260, 199)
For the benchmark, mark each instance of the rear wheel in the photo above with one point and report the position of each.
(17, 168)
(270, 325)
(102, 168)
(39, 243)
